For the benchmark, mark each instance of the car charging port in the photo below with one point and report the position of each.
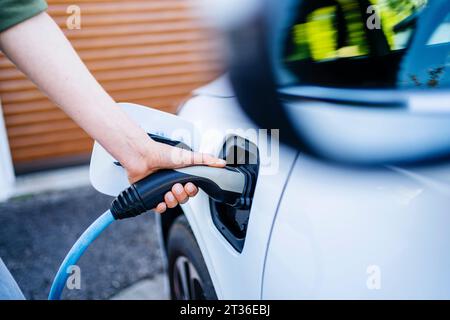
(232, 221)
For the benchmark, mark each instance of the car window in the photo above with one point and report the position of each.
(368, 43)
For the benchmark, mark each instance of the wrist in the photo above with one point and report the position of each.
(140, 162)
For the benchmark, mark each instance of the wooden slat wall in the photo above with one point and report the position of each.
(148, 52)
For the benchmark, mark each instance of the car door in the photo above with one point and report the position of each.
(361, 234)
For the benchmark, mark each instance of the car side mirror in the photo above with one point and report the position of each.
(348, 81)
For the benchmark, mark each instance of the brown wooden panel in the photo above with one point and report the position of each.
(148, 52)
(134, 79)
(116, 73)
(151, 51)
(182, 60)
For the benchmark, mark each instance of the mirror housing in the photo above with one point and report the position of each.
(357, 126)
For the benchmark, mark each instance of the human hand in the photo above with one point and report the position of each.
(156, 156)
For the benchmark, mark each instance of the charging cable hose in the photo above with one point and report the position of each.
(230, 185)
(78, 249)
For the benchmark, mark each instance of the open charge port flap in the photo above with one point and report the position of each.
(232, 222)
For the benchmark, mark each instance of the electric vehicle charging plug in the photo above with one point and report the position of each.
(230, 185)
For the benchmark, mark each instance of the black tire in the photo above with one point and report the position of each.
(186, 261)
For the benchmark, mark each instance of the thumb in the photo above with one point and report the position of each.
(198, 158)
(183, 158)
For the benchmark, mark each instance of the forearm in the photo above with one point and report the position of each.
(40, 50)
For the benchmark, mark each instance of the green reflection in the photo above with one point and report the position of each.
(333, 29)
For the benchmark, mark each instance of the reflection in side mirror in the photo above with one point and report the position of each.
(368, 136)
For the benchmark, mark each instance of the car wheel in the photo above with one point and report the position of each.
(188, 275)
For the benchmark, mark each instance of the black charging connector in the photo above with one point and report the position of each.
(228, 185)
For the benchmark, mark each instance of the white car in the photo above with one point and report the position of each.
(354, 202)
(359, 206)
(315, 230)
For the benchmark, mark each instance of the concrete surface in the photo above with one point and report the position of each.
(147, 289)
(36, 232)
(54, 180)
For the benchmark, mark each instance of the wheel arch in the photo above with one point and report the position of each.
(164, 222)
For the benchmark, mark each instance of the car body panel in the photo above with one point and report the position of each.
(344, 233)
(319, 230)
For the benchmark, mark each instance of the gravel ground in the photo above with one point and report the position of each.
(37, 231)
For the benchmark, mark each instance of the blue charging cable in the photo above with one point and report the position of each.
(88, 236)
